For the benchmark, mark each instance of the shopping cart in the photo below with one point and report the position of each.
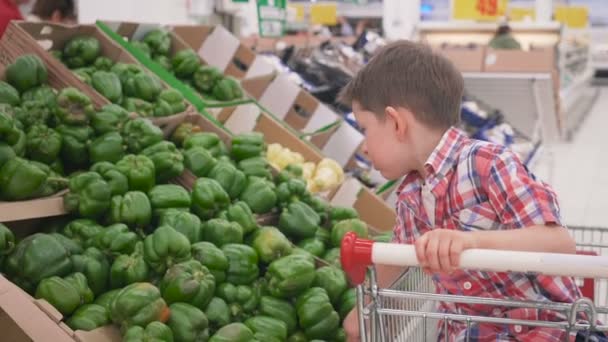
(406, 311)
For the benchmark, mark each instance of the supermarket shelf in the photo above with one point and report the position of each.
(520, 97)
(576, 100)
(477, 26)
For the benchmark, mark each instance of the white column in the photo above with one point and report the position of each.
(400, 18)
(544, 10)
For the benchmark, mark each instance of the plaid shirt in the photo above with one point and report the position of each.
(474, 185)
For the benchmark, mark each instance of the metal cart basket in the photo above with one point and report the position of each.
(407, 311)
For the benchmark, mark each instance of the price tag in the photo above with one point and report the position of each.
(271, 17)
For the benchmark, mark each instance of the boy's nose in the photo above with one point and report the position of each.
(364, 148)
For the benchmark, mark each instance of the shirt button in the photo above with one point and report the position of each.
(517, 328)
(467, 285)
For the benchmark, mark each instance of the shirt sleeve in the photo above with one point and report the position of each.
(517, 197)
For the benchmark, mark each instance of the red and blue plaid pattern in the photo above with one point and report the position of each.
(473, 185)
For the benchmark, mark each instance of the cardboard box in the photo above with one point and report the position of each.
(124, 32)
(220, 48)
(465, 59)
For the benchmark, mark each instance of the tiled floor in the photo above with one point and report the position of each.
(579, 171)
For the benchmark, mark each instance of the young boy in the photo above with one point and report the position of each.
(457, 193)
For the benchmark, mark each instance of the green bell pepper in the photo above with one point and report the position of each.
(95, 266)
(129, 269)
(345, 226)
(163, 61)
(70, 245)
(221, 232)
(118, 182)
(140, 171)
(188, 323)
(185, 63)
(168, 160)
(184, 222)
(32, 113)
(74, 149)
(115, 240)
(28, 71)
(167, 196)
(106, 299)
(65, 294)
(81, 51)
(147, 86)
(9, 95)
(6, 153)
(143, 47)
(37, 257)
(208, 198)
(313, 246)
(89, 317)
(332, 256)
(233, 332)
(206, 77)
(240, 213)
(270, 244)
(337, 214)
(227, 89)
(218, 314)
(199, 161)
(103, 63)
(323, 235)
(291, 191)
(82, 231)
(242, 300)
(139, 106)
(21, 179)
(290, 275)
(7, 241)
(162, 108)
(141, 133)
(211, 257)
(279, 309)
(299, 221)
(174, 98)
(184, 131)
(166, 247)
(108, 147)
(153, 332)
(126, 72)
(106, 121)
(138, 304)
(347, 302)
(73, 107)
(316, 315)
(321, 207)
(108, 85)
(256, 166)
(44, 95)
(259, 194)
(268, 326)
(247, 145)
(159, 41)
(89, 195)
(208, 140)
(242, 264)
(333, 280)
(188, 282)
(132, 209)
(298, 336)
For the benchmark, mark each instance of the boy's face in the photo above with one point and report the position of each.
(383, 144)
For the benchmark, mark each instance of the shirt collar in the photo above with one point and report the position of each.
(443, 157)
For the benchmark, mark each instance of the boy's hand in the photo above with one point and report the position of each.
(439, 250)
(351, 326)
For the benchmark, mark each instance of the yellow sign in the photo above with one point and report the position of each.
(324, 14)
(298, 10)
(478, 9)
(572, 16)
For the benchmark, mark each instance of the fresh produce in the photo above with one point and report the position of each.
(188, 323)
(291, 191)
(27, 72)
(153, 332)
(115, 240)
(351, 225)
(169, 196)
(168, 161)
(227, 89)
(107, 84)
(89, 195)
(147, 86)
(138, 305)
(140, 171)
(118, 182)
(317, 317)
(268, 326)
(290, 275)
(65, 294)
(159, 41)
(242, 300)
(129, 269)
(299, 221)
(240, 213)
(327, 176)
(22, 179)
(259, 194)
(7, 242)
(106, 121)
(313, 246)
(170, 101)
(256, 166)
(221, 232)
(208, 140)
(211, 257)
(333, 280)
(95, 266)
(42, 95)
(103, 63)
(185, 63)
(247, 145)
(208, 198)
(279, 309)
(234, 332)
(242, 264)
(33, 113)
(108, 147)
(337, 214)
(165, 248)
(206, 77)
(89, 317)
(184, 131)
(270, 244)
(8, 94)
(74, 149)
(184, 222)
(347, 302)
(229, 177)
(73, 107)
(107, 298)
(81, 51)
(132, 209)
(141, 133)
(188, 282)
(332, 256)
(199, 161)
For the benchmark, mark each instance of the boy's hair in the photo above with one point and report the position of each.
(410, 75)
(44, 9)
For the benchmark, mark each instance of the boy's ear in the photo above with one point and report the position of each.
(397, 120)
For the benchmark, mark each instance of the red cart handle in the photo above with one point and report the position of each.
(355, 256)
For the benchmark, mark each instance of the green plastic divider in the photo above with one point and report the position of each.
(191, 96)
(385, 187)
